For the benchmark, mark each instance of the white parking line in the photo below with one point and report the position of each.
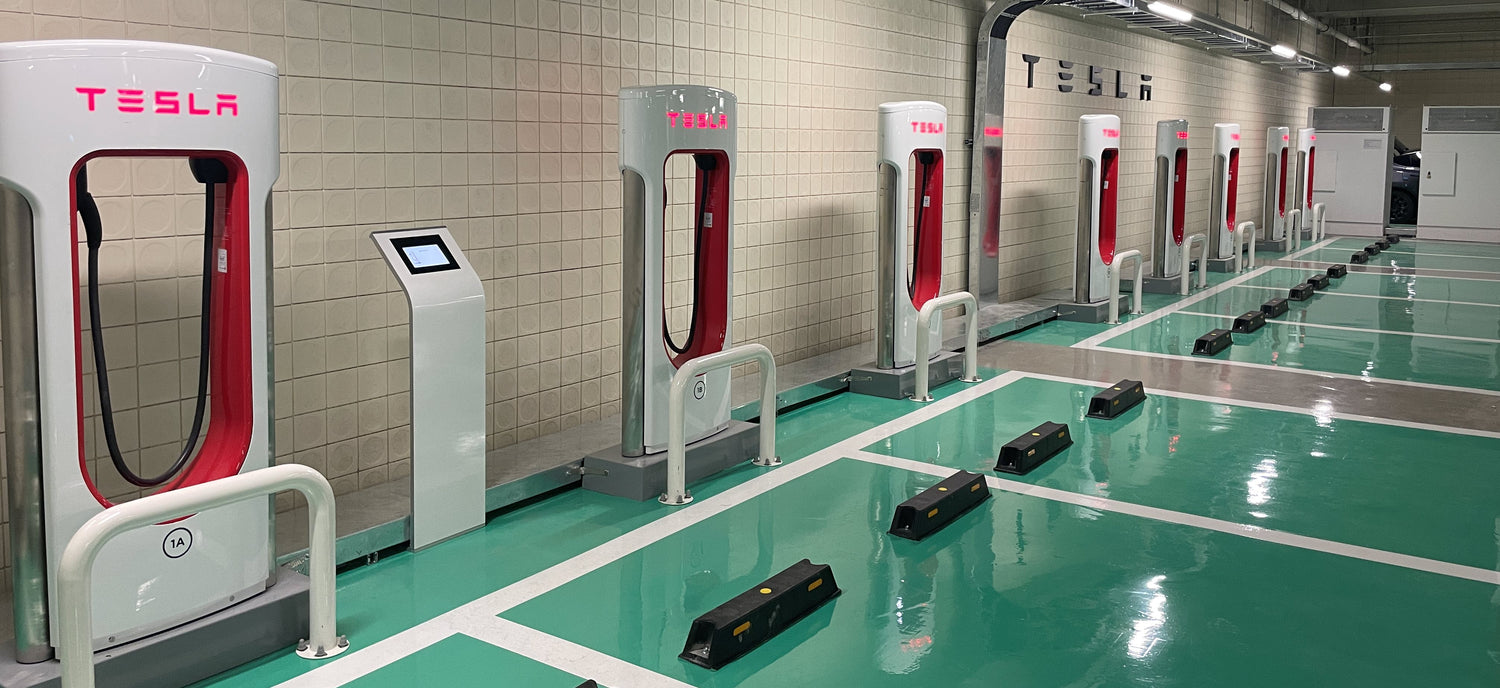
(568, 656)
(1315, 412)
(1253, 532)
(472, 615)
(1304, 371)
(1373, 296)
(1153, 316)
(1298, 323)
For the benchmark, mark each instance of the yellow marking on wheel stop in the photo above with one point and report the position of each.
(976, 487)
(765, 591)
(942, 489)
(814, 585)
(742, 628)
(932, 513)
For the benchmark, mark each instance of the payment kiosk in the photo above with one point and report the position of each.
(447, 333)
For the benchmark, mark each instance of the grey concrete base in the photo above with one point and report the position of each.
(1162, 285)
(1220, 264)
(900, 383)
(1091, 312)
(999, 319)
(272, 621)
(645, 477)
(1263, 245)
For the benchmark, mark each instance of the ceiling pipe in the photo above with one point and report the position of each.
(1310, 20)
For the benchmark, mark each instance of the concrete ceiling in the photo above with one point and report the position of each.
(1331, 10)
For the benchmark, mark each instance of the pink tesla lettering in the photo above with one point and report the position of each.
(134, 100)
(166, 103)
(90, 92)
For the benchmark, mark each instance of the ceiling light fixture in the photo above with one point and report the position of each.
(1284, 51)
(1385, 86)
(1340, 70)
(1172, 12)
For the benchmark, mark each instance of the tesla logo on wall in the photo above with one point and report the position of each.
(1096, 79)
(697, 120)
(133, 100)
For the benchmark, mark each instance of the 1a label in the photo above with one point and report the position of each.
(177, 543)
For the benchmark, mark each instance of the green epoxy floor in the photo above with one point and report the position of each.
(460, 660)
(1362, 483)
(1420, 247)
(1026, 590)
(1365, 354)
(1456, 323)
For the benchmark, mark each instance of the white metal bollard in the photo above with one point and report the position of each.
(1320, 221)
(1294, 220)
(1187, 261)
(971, 342)
(682, 381)
(1244, 234)
(75, 648)
(1114, 283)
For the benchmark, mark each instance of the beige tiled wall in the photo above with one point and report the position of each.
(498, 118)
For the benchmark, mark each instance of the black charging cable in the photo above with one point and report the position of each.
(706, 165)
(927, 160)
(208, 172)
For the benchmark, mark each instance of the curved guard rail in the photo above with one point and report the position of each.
(682, 382)
(971, 343)
(1320, 221)
(1244, 235)
(1114, 283)
(1187, 261)
(75, 568)
(1294, 220)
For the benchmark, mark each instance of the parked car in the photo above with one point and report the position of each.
(1406, 179)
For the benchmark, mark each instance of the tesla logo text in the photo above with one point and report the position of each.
(927, 127)
(161, 102)
(994, 132)
(697, 120)
(1111, 133)
(1312, 138)
(1096, 79)
(1234, 137)
(1182, 135)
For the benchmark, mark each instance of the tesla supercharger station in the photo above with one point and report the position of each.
(68, 103)
(657, 123)
(1278, 194)
(1307, 158)
(1224, 187)
(909, 162)
(1098, 186)
(1170, 207)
